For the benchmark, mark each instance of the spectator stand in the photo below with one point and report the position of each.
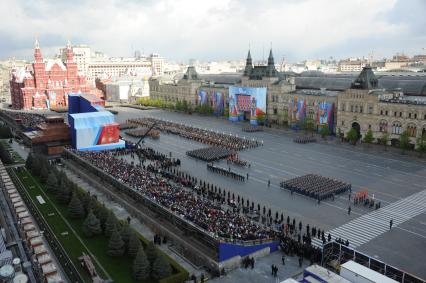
(316, 186)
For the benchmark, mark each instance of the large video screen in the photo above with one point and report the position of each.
(251, 100)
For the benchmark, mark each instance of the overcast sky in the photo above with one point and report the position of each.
(215, 30)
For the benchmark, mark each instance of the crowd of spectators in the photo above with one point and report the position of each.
(316, 186)
(180, 195)
(28, 120)
(204, 136)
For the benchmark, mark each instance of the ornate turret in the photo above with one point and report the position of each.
(270, 68)
(38, 58)
(70, 54)
(191, 74)
(366, 79)
(271, 59)
(249, 65)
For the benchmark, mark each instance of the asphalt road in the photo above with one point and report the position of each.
(389, 177)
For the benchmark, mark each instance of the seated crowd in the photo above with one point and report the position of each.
(316, 186)
(197, 134)
(28, 120)
(182, 199)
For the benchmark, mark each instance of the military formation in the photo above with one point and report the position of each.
(316, 186)
(209, 154)
(231, 142)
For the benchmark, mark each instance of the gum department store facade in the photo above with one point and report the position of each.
(363, 104)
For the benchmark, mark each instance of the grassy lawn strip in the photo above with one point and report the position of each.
(71, 243)
(119, 269)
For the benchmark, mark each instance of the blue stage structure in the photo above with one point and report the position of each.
(91, 126)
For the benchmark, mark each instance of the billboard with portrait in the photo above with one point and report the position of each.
(217, 102)
(202, 97)
(250, 100)
(325, 114)
(297, 107)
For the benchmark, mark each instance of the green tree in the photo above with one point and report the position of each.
(384, 139)
(102, 214)
(404, 141)
(115, 245)
(161, 268)
(75, 208)
(141, 267)
(151, 252)
(134, 244)
(36, 165)
(368, 139)
(63, 195)
(421, 144)
(29, 162)
(91, 225)
(325, 131)
(110, 224)
(352, 136)
(52, 183)
(125, 233)
(44, 173)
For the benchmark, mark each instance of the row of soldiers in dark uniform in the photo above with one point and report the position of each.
(304, 139)
(252, 129)
(227, 173)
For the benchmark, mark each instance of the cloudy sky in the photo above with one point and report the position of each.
(219, 29)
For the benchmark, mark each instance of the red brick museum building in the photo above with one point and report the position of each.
(45, 84)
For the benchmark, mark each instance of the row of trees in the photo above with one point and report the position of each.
(100, 221)
(146, 101)
(403, 141)
(308, 125)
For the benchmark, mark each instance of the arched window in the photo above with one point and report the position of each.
(383, 126)
(396, 128)
(412, 130)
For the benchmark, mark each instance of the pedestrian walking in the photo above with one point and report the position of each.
(283, 259)
(390, 224)
(349, 210)
(269, 183)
